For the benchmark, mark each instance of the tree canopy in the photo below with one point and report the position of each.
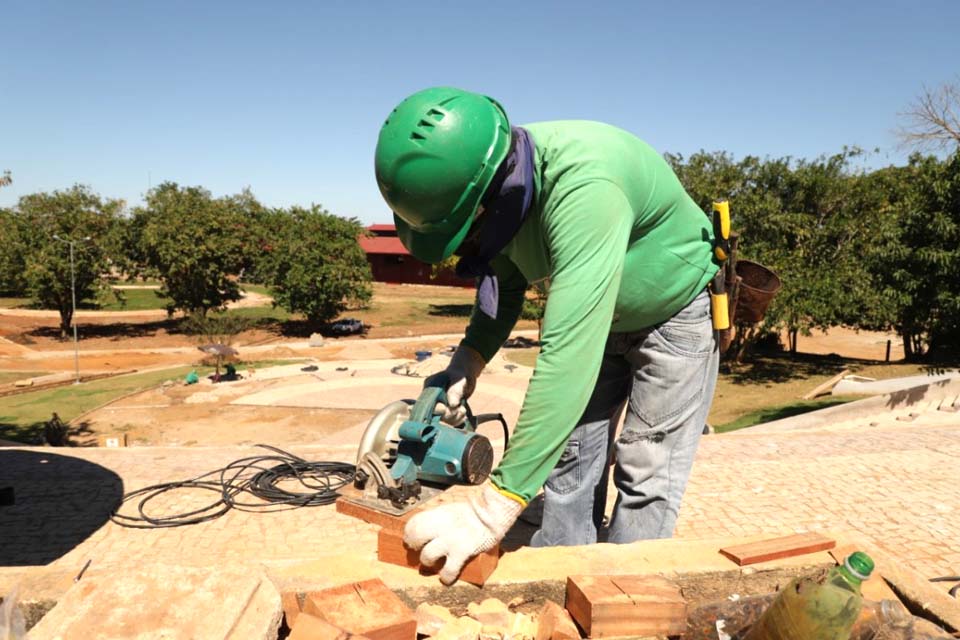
(36, 241)
(193, 242)
(312, 262)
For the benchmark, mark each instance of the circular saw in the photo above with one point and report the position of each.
(407, 454)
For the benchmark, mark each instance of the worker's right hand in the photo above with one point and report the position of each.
(459, 379)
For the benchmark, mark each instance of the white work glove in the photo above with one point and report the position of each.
(460, 530)
(459, 379)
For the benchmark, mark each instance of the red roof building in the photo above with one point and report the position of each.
(391, 262)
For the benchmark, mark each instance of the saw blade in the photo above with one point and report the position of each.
(377, 471)
(382, 435)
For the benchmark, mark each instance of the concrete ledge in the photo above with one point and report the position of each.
(161, 601)
(897, 401)
(537, 574)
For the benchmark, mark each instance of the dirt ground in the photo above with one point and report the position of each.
(395, 311)
(179, 415)
(123, 341)
(868, 345)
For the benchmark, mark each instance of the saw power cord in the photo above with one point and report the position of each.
(259, 476)
(955, 588)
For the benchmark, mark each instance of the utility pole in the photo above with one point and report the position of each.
(73, 316)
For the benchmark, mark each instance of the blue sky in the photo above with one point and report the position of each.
(287, 97)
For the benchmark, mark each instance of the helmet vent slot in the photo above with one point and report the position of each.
(426, 124)
(436, 114)
(417, 137)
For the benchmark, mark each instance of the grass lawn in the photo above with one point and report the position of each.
(777, 412)
(14, 303)
(266, 314)
(136, 300)
(148, 300)
(12, 376)
(22, 416)
(770, 387)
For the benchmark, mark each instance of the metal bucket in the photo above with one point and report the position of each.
(758, 286)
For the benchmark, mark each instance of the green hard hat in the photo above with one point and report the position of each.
(436, 155)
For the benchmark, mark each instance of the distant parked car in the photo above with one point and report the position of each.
(346, 327)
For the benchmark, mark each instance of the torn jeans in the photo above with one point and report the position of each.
(666, 374)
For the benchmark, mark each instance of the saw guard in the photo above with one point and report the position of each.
(382, 434)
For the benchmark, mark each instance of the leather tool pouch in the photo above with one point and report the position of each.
(731, 283)
(751, 287)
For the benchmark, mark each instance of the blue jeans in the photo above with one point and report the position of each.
(667, 373)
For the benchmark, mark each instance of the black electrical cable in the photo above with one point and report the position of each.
(259, 476)
(955, 588)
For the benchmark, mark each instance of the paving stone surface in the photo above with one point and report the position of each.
(893, 484)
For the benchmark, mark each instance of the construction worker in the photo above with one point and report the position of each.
(628, 256)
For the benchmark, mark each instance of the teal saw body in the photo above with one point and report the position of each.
(407, 449)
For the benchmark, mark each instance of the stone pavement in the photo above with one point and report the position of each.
(893, 484)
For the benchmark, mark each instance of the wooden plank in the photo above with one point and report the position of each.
(390, 549)
(626, 605)
(291, 607)
(365, 608)
(875, 588)
(776, 548)
(310, 627)
(826, 386)
(373, 516)
(555, 623)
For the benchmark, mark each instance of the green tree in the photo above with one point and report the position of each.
(313, 263)
(252, 220)
(78, 216)
(194, 243)
(916, 258)
(12, 253)
(807, 220)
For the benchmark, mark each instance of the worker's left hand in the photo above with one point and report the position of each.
(459, 380)
(460, 530)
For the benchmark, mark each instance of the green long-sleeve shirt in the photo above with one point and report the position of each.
(624, 247)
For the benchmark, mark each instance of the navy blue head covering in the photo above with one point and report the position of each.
(505, 208)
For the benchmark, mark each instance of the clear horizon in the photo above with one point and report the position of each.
(287, 99)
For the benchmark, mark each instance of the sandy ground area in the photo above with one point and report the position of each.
(869, 345)
(305, 408)
(286, 405)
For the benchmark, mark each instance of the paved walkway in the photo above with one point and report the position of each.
(894, 484)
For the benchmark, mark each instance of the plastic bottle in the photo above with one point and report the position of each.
(884, 620)
(820, 607)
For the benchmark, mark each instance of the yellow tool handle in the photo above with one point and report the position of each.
(721, 229)
(720, 311)
(719, 302)
(722, 207)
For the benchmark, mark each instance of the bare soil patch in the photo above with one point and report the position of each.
(173, 416)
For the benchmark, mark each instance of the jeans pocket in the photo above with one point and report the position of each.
(668, 383)
(565, 477)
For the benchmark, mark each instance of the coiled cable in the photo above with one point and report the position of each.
(259, 476)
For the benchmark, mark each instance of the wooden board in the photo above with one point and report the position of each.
(291, 607)
(555, 623)
(826, 386)
(626, 605)
(365, 608)
(373, 516)
(310, 627)
(390, 548)
(875, 588)
(777, 548)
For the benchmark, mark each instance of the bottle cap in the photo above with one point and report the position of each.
(859, 564)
